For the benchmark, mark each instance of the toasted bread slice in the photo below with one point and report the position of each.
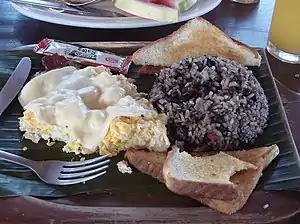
(207, 176)
(151, 163)
(196, 38)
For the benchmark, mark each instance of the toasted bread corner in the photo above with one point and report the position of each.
(196, 38)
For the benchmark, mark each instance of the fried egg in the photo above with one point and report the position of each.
(90, 110)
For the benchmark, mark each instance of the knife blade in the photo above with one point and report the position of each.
(15, 83)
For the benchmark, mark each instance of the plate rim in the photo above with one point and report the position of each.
(283, 111)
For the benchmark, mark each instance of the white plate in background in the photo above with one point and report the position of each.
(51, 16)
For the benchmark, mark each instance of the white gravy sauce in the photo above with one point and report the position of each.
(82, 102)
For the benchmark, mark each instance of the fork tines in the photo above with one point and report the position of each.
(77, 172)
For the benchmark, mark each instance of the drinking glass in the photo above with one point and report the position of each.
(284, 35)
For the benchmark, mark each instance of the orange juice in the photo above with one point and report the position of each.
(285, 27)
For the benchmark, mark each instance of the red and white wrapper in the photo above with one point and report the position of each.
(84, 55)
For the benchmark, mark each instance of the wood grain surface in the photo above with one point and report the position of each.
(246, 23)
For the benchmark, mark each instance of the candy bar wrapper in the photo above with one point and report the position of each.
(84, 55)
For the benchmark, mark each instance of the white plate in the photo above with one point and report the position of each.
(199, 9)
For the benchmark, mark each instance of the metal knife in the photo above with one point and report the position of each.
(15, 83)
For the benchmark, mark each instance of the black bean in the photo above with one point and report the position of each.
(186, 96)
(210, 62)
(174, 94)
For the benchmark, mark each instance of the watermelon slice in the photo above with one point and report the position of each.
(163, 10)
(182, 5)
(168, 3)
(148, 9)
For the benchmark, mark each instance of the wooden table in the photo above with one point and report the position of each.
(246, 23)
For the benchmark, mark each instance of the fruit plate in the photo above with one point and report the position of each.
(109, 21)
(282, 174)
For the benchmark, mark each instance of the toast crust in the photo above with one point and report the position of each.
(146, 162)
(151, 163)
(189, 41)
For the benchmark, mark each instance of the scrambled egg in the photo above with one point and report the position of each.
(137, 133)
(123, 167)
(123, 133)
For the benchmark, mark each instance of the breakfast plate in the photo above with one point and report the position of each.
(54, 16)
(285, 176)
(175, 128)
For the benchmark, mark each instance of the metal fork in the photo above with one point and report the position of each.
(62, 173)
(84, 3)
(102, 9)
